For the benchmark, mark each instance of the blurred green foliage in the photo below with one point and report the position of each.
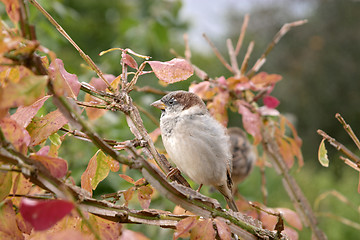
(319, 62)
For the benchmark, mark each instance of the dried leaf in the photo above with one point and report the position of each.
(263, 79)
(8, 226)
(271, 102)
(129, 60)
(184, 226)
(15, 134)
(128, 194)
(64, 83)
(5, 184)
(57, 166)
(44, 214)
(251, 121)
(223, 230)
(172, 71)
(144, 196)
(88, 174)
(41, 128)
(322, 154)
(21, 186)
(24, 93)
(203, 230)
(23, 115)
(108, 230)
(23, 225)
(127, 178)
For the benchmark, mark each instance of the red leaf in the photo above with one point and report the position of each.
(64, 83)
(172, 71)
(8, 226)
(184, 226)
(23, 115)
(223, 230)
(41, 128)
(271, 102)
(129, 60)
(15, 134)
(44, 214)
(56, 166)
(251, 121)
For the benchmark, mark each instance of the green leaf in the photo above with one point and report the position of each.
(322, 154)
(102, 169)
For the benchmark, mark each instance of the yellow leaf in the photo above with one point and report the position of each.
(322, 154)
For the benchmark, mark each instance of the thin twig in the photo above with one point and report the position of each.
(187, 48)
(234, 63)
(339, 146)
(242, 34)
(246, 58)
(217, 53)
(348, 129)
(350, 163)
(284, 29)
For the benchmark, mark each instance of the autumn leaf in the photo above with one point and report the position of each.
(64, 83)
(129, 60)
(271, 102)
(15, 134)
(172, 71)
(217, 107)
(5, 184)
(291, 217)
(41, 128)
(322, 154)
(263, 80)
(21, 185)
(128, 194)
(127, 178)
(107, 229)
(251, 121)
(23, 225)
(144, 196)
(8, 226)
(12, 9)
(184, 226)
(127, 234)
(23, 115)
(203, 90)
(42, 214)
(57, 166)
(24, 93)
(203, 230)
(223, 230)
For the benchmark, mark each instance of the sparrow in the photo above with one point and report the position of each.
(243, 155)
(195, 142)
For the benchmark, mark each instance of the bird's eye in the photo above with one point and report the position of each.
(172, 101)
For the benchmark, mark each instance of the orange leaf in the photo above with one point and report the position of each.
(203, 230)
(5, 184)
(264, 79)
(56, 166)
(88, 174)
(127, 178)
(202, 89)
(8, 226)
(128, 194)
(217, 107)
(184, 226)
(15, 134)
(172, 71)
(25, 93)
(223, 230)
(127, 234)
(141, 181)
(12, 9)
(41, 128)
(107, 229)
(144, 196)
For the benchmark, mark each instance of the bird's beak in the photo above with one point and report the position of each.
(158, 104)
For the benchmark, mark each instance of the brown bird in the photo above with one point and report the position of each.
(196, 142)
(243, 155)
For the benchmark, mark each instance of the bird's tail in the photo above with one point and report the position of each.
(224, 190)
